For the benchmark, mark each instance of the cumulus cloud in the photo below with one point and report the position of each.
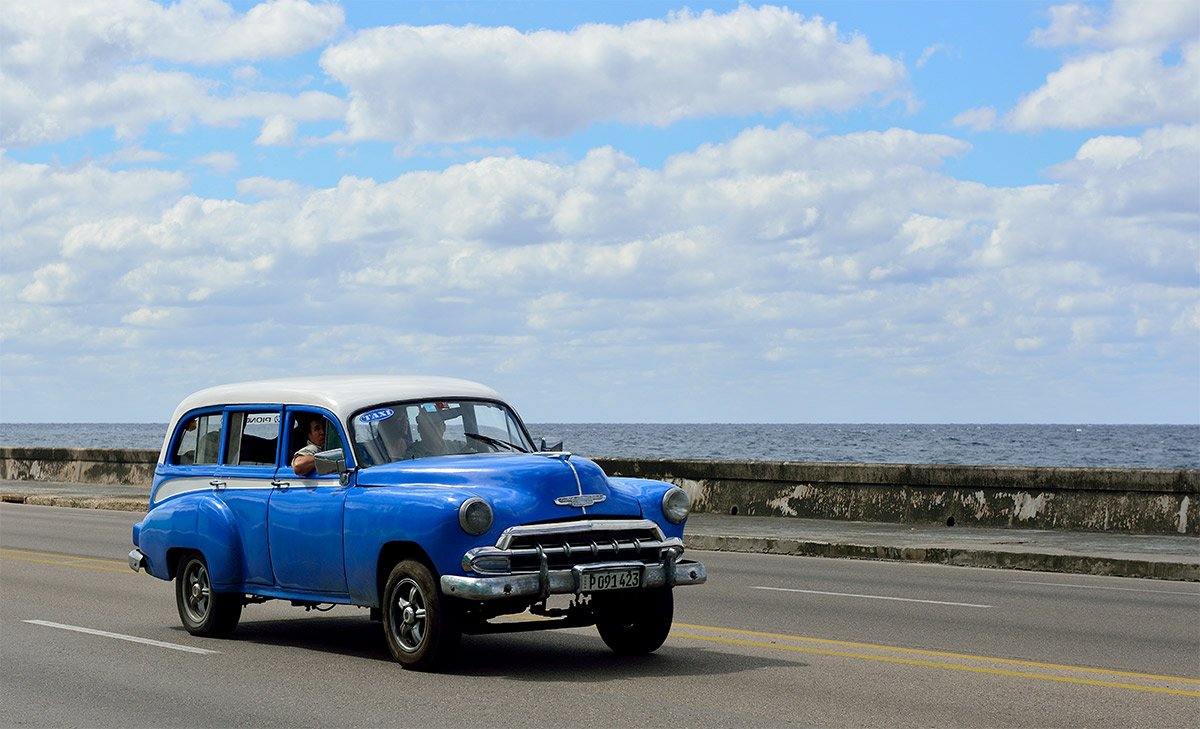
(222, 162)
(980, 119)
(1128, 22)
(428, 84)
(1122, 87)
(1146, 71)
(277, 130)
(812, 254)
(69, 68)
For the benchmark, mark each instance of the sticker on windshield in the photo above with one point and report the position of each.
(376, 415)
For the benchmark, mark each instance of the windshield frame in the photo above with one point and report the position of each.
(363, 459)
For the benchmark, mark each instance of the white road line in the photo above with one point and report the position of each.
(119, 636)
(1103, 587)
(872, 597)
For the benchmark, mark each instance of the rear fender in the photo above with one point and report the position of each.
(193, 522)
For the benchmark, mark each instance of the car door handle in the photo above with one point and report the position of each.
(218, 485)
(281, 485)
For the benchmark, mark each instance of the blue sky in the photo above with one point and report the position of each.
(619, 211)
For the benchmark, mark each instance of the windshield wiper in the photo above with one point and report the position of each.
(497, 442)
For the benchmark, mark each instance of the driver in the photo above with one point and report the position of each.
(304, 462)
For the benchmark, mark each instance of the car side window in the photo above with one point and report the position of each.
(199, 441)
(309, 433)
(253, 438)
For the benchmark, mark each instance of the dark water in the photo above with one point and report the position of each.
(1122, 446)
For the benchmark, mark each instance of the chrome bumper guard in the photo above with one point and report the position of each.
(667, 573)
(137, 560)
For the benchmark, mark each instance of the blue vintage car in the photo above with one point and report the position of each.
(421, 498)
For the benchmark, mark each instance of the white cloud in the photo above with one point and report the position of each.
(1129, 22)
(132, 155)
(48, 39)
(420, 85)
(846, 254)
(41, 204)
(979, 119)
(1122, 87)
(1139, 177)
(932, 51)
(222, 162)
(266, 187)
(1147, 71)
(73, 67)
(277, 130)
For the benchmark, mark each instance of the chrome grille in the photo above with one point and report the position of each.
(563, 545)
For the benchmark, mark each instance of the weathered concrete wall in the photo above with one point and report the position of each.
(1142, 501)
(1145, 501)
(78, 465)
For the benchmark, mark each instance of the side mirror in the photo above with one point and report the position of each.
(328, 462)
(543, 448)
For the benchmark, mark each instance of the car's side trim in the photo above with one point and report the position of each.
(185, 485)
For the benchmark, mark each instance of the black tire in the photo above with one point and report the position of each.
(420, 624)
(203, 611)
(635, 623)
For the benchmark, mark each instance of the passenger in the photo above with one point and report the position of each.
(431, 431)
(304, 463)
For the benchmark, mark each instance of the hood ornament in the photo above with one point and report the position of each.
(580, 501)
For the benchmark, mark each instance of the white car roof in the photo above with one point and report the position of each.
(340, 394)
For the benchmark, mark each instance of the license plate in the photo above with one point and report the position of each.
(622, 579)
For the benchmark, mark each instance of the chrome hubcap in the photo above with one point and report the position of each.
(197, 591)
(409, 631)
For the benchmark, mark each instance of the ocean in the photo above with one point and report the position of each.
(1118, 446)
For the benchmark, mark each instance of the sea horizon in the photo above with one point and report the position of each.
(1160, 445)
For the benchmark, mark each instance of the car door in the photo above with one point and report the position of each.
(244, 481)
(304, 520)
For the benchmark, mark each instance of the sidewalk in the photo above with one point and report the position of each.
(1099, 553)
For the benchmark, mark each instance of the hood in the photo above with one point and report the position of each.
(524, 485)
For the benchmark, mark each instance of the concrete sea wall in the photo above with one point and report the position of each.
(79, 465)
(1139, 501)
(1143, 501)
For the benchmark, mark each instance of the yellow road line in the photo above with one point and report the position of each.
(940, 654)
(62, 560)
(934, 664)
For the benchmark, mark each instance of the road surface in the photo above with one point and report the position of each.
(769, 641)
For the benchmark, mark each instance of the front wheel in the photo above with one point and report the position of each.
(422, 629)
(635, 623)
(204, 611)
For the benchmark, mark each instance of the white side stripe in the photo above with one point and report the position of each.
(119, 636)
(873, 597)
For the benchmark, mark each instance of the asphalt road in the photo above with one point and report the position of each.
(770, 641)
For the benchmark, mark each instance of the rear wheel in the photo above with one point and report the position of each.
(204, 611)
(635, 623)
(421, 626)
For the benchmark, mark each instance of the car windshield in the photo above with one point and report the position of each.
(402, 431)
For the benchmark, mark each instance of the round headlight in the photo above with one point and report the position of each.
(475, 516)
(676, 504)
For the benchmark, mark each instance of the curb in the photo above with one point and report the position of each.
(1068, 563)
(77, 502)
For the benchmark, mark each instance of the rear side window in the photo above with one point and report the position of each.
(199, 441)
(253, 438)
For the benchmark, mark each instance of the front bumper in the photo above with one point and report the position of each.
(137, 560)
(667, 573)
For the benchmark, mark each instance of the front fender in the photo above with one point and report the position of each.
(423, 515)
(199, 522)
(649, 494)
